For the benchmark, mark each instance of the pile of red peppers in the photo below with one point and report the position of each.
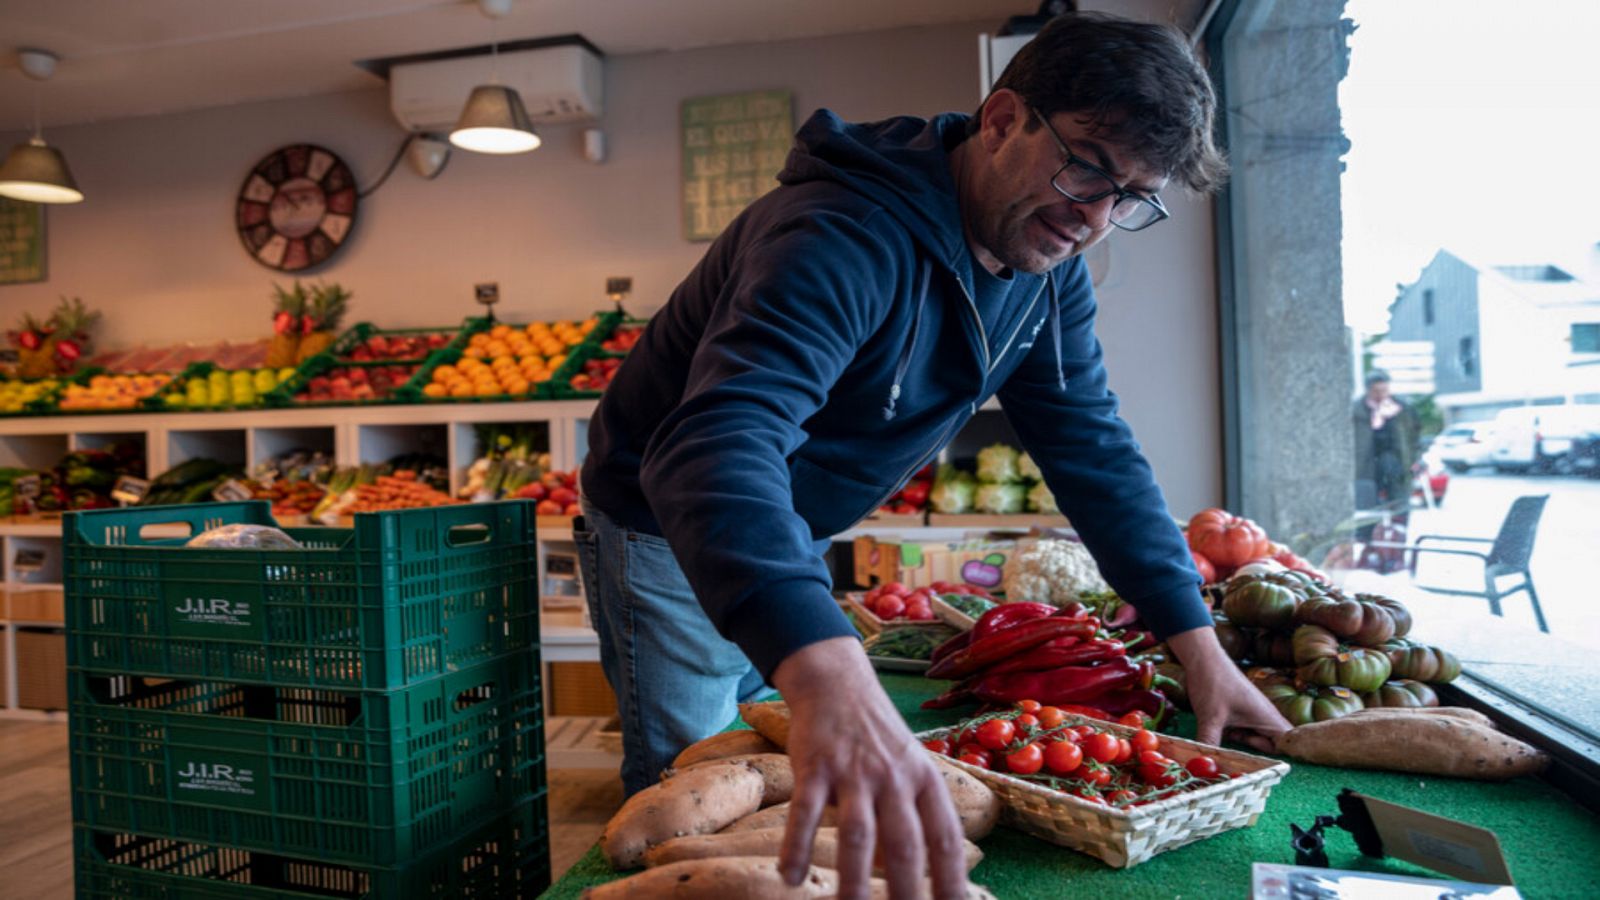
(1057, 656)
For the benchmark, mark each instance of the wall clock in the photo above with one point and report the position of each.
(296, 207)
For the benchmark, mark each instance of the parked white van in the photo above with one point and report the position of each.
(1539, 438)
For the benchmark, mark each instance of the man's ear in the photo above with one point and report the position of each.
(1003, 113)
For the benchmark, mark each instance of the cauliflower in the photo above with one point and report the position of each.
(1052, 571)
(1000, 499)
(953, 491)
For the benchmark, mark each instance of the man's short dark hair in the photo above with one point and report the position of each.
(1139, 84)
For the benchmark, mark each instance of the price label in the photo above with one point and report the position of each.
(231, 491)
(129, 490)
(27, 486)
(27, 561)
(487, 293)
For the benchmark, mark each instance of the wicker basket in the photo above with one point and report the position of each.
(1126, 837)
(870, 624)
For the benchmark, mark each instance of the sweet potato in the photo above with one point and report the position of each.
(772, 817)
(1424, 744)
(977, 805)
(721, 878)
(1456, 712)
(699, 801)
(721, 746)
(766, 842)
(777, 776)
(770, 719)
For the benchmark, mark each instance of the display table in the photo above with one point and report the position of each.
(1549, 840)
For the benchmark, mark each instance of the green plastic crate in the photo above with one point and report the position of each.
(509, 858)
(401, 597)
(359, 777)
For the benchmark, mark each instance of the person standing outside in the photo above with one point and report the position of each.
(831, 341)
(1387, 447)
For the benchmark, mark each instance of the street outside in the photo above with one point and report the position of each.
(1559, 670)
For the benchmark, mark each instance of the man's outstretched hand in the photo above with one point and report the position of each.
(1224, 700)
(850, 747)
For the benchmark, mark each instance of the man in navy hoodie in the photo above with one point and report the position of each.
(828, 345)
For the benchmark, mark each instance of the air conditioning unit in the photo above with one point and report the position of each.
(558, 84)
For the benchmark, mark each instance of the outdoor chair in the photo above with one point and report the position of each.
(1508, 554)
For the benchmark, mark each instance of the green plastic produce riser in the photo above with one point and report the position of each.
(363, 778)
(508, 858)
(402, 596)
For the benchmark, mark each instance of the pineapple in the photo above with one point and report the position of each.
(288, 310)
(72, 321)
(324, 314)
(36, 347)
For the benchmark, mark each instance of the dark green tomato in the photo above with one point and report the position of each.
(1404, 694)
(1312, 642)
(1302, 706)
(1422, 662)
(1257, 602)
(1357, 668)
(1233, 641)
(1396, 610)
(1271, 648)
(1357, 621)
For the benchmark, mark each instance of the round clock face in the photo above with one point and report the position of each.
(296, 207)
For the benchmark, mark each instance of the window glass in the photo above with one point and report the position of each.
(1412, 354)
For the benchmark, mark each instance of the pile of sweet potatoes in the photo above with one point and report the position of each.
(1428, 741)
(713, 826)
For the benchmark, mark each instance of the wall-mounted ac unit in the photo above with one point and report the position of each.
(557, 84)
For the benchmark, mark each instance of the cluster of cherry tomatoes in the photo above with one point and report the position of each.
(893, 600)
(1036, 743)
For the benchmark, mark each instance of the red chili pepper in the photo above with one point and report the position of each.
(1149, 701)
(948, 647)
(1092, 712)
(1073, 610)
(1007, 615)
(959, 695)
(984, 652)
(1070, 684)
(1067, 651)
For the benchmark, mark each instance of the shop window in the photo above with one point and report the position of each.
(1327, 235)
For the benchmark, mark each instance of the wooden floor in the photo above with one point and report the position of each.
(36, 812)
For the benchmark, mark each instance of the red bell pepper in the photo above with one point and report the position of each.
(984, 652)
(1007, 615)
(1070, 684)
(1067, 651)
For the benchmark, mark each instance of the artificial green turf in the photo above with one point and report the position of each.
(1551, 843)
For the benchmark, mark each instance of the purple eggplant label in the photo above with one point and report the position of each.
(986, 572)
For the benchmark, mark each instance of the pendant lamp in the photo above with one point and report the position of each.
(494, 119)
(35, 171)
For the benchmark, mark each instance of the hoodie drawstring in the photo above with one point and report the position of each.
(1055, 333)
(911, 342)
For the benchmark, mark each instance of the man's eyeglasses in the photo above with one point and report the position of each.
(1081, 181)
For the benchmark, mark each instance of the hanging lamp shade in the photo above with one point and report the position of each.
(494, 121)
(38, 173)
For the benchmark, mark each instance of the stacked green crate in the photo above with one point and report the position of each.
(358, 705)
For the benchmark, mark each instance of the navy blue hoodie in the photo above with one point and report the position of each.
(825, 348)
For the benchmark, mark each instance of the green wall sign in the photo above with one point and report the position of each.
(733, 147)
(21, 241)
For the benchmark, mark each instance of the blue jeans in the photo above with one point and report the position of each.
(675, 678)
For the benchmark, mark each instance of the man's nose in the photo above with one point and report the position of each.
(1097, 215)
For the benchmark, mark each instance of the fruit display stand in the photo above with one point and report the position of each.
(1547, 837)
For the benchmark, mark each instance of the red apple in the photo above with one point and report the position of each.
(548, 508)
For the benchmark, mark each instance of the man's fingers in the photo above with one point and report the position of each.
(941, 828)
(805, 811)
(857, 838)
(1209, 730)
(900, 847)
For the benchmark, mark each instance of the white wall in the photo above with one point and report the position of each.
(154, 246)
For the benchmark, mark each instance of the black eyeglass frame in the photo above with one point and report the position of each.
(1122, 193)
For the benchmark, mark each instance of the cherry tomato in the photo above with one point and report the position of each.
(1062, 757)
(1124, 751)
(1025, 722)
(968, 735)
(981, 760)
(889, 607)
(1097, 776)
(1143, 740)
(1049, 716)
(1122, 797)
(1102, 747)
(1028, 706)
(1157, 778)
(1133, 719)
(996, 733)
(1202, 767)
(1152, 758)
(938, 745)
(1091, 796)
(1084, 731)
(1025, 761)
(970, 747)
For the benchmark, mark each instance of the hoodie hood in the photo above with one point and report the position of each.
(902, 164)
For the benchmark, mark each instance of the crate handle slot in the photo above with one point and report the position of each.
(475, 695)
(464, 535)
(145, 529)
